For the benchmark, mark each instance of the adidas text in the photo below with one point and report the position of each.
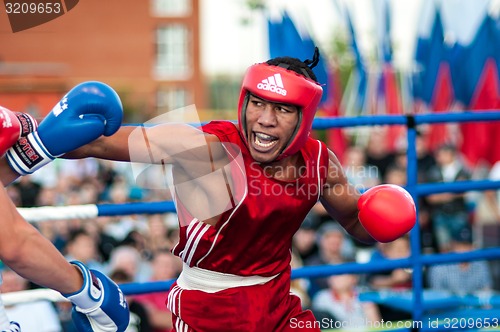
(272, 88)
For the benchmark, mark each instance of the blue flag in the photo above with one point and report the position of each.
(285, 40)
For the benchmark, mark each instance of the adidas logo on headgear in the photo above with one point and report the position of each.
(274, 84)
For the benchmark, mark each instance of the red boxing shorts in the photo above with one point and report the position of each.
(268, 307)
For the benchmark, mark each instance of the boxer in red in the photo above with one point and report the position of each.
(236, 234)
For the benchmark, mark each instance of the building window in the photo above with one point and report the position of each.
(172, 54)
(171, 8)
(170, 99)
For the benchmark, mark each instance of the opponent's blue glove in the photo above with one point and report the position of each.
(89, 110)
(99, 306)
(13, 327)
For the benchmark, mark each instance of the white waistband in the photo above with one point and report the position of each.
(194, 278)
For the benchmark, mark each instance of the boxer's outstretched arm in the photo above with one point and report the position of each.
(382, 213)
(160, 144)
(340, 200)
(114, 147)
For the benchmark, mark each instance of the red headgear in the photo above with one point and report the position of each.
(277, 84)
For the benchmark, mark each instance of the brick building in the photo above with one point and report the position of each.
(147, 50)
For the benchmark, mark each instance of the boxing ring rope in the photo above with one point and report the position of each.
(88, 211)
(416, 261)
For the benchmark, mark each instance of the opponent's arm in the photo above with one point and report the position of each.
(31, 255)
(98, 302)
(7, 174)
(383, 213)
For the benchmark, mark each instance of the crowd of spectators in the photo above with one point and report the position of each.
(136, 248)
(448, 222)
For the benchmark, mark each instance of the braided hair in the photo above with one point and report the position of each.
(303, 68)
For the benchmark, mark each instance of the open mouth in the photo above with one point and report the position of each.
(264, 141)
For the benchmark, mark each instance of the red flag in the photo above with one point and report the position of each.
(478, 138)
(393, 104)
(336, 140)
(442, 99)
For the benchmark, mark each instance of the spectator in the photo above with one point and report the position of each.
(128, 258)
(377, 152)
(34, 316)
(138, 241)
(488, 212)
(400, 160)
(29, 191)
(396, 175)
(448, 210)
(341, 303)
(120, 227)
(487, 222)
(105, 243)
(397, 279)
(165, 266)
(78, 172)
(300, 286)
(139, 319)
(304, 240)
(425, 159)
(360, 174)
(461, 278)
(82, 247)
(427, 236)
(158, 233)
(334, 248)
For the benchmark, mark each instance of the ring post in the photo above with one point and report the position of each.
(411, 186)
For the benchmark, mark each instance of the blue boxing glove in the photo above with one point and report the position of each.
(89, 110)
(99, 306)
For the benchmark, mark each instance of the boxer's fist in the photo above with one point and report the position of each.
(387, 212)
(13, 327)
(12, 126)
(99, 305)
(89, 110)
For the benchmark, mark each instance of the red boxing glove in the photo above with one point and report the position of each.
(387, 212)
(10, 129)
(12, 126)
